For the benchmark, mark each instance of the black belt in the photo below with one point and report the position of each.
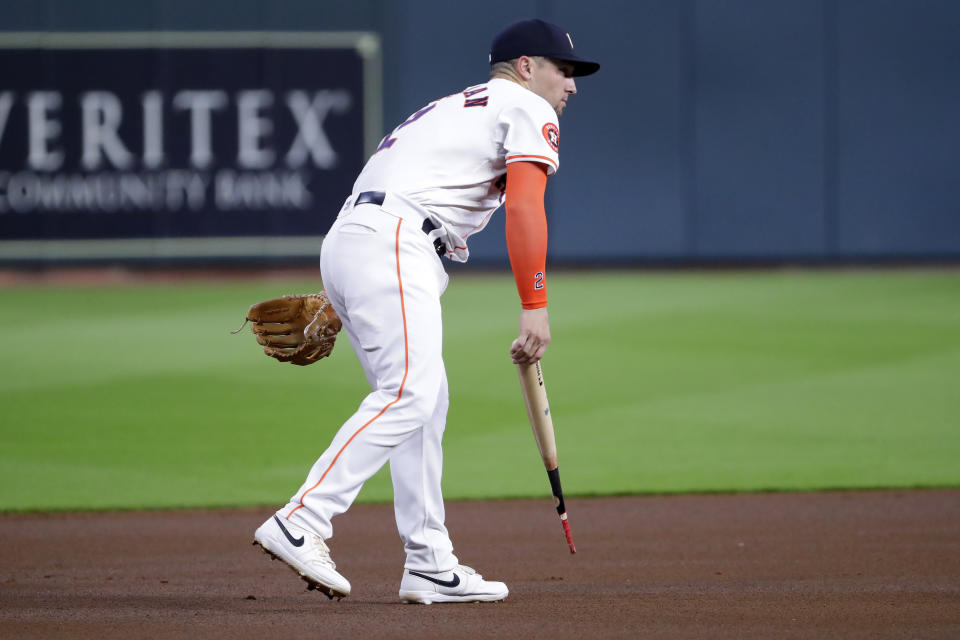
(376, 197)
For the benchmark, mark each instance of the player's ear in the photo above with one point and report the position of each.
(525, 67)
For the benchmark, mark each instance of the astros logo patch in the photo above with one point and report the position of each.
(552, 135)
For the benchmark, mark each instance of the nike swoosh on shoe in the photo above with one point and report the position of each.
(450, 584)
(297, 542)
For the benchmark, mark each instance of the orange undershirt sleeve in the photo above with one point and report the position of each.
(527, 230)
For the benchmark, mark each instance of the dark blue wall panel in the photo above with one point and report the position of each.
(759, 128)
(899, 127)
(733, 129)
(620, 191)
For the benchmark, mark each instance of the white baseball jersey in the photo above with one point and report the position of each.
(450, 158)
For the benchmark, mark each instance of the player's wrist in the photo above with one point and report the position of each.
(530, 306)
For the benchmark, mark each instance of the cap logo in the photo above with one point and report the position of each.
(570, 40)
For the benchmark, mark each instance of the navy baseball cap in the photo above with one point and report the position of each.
(538, 38)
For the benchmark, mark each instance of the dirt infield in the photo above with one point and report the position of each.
(843, 564)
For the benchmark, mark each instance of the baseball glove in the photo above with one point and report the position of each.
(299, 329)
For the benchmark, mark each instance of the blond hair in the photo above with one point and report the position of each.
(508, 68)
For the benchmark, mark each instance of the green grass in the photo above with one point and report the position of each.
(138, 396)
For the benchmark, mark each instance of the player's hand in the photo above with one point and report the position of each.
(534, 336)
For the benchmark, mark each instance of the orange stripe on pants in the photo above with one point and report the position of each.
(406, 368)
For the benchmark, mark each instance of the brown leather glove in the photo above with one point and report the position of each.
(299, 329)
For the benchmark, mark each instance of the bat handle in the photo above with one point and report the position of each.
(554, 475)
(566, 532)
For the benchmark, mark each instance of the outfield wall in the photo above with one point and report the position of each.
(822, 130)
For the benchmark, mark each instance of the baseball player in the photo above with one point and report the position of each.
(432, 183)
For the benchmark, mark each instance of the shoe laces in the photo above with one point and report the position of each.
(468, 570)
(322, 552)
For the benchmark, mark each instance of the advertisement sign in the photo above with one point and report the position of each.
(167, 145)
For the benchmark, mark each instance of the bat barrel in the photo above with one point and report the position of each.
(538, 412)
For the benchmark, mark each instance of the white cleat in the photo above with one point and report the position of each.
(463, 584)
(305, 552)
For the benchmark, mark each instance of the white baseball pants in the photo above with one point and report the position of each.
(385, 281)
